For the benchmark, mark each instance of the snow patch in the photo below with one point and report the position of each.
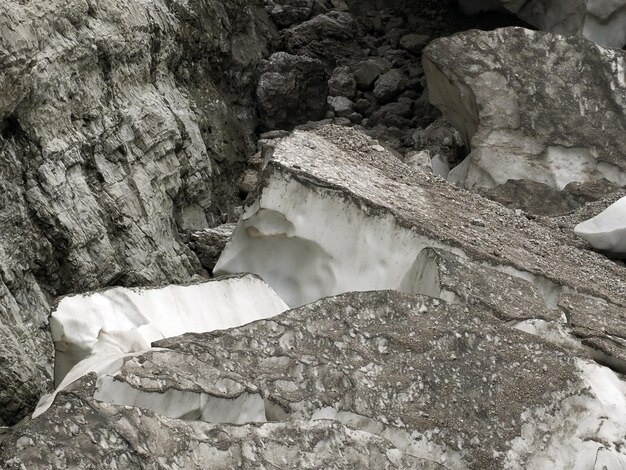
(607, 230)
(586, 432)
(121, 320)
(309, 242)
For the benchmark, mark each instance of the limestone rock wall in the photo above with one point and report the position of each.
(121, 123)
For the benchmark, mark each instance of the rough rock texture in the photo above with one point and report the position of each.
(292, 90)
(331, 38)
(120, 124)
(209, 243)
(287, 12)
(531, 105)
(602, 21)
(541, 199)
(448, 385)
(335, 212)
(80, 432)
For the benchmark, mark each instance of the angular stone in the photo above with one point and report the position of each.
(414, 42)
(288, 12)
(342, 83)
(331, 38)
(527, 113)
(444, 275)
(340, 105)
(292, 90)
(389, 85)
(209, 243)
(367, 71)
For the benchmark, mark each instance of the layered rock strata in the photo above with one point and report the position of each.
(121, 124)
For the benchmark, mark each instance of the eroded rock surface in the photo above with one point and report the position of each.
(80, 432)
(448, 385)
(209, 243)
(121, 124)
(531, 105)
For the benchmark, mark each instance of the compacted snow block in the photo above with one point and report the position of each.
(334, 212)
(121, 320)
(531, 105)
(607, 230)
(449, 385)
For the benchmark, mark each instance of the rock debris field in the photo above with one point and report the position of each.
(306, 234)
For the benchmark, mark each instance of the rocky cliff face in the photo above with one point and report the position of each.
(123, 123)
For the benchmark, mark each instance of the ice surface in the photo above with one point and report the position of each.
(607, 230)
(309, 242)
(121, 320)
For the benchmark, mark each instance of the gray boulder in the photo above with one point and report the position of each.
(331, 38)
(291, 90)
(288, 12)
(81, 432)
(390, 85)
(340, 105)
(342, 83)
(531, 105)
(335, 212)
(209, 243)
(414, 42)
(367, 71)
(375, 379)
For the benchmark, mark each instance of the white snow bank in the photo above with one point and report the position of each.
(120, 320)
(309, 242)
(607, 230)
